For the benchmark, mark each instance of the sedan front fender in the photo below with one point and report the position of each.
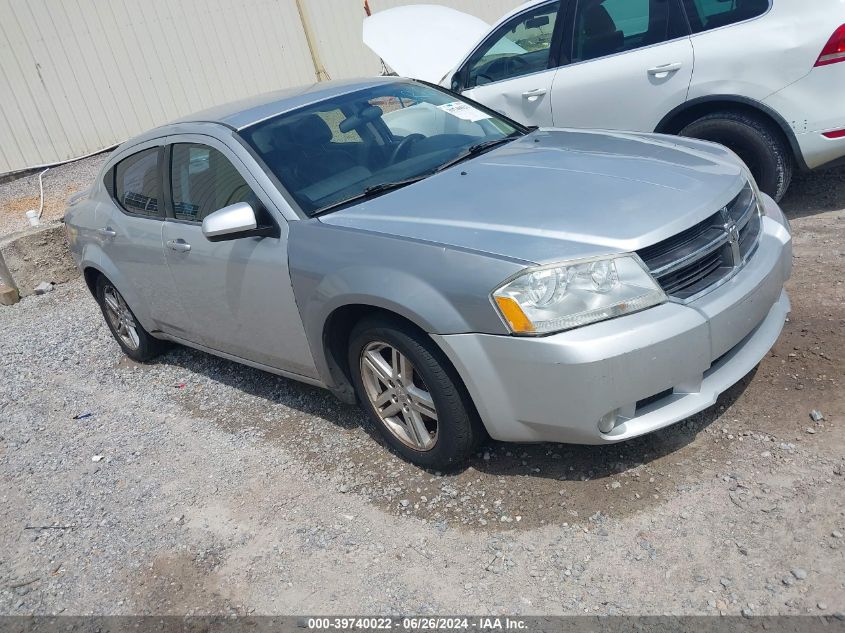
(441, 290)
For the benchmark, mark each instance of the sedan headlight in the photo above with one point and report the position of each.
(564, 296)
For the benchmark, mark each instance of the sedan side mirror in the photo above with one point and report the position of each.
(233, 222)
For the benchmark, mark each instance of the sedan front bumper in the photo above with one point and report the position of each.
(649, 369)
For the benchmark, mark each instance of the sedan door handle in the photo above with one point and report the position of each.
(180, 245)
(107, 232)
(537, 92)
(665, 69)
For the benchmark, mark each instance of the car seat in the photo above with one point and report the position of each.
(599, 32)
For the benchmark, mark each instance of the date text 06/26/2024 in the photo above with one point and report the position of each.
(415, 623)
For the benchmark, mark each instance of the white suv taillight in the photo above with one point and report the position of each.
(834, 50)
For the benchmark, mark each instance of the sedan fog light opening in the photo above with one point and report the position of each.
(607, 422)
(568, 295)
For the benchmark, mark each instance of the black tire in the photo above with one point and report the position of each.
(148, 347)
(755, 140)
(458, 428)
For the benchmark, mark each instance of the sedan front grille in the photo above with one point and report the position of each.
(697, 275)
(699, 258)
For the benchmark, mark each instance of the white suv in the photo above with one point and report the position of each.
(761, 76)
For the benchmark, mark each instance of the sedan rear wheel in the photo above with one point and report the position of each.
(413, 394)
(120, 318)
(133, 339)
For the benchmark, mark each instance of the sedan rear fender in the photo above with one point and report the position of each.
(93, 258)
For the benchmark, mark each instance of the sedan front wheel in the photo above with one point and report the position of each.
(412, 394)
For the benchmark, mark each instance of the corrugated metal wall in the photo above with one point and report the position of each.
(77, 76)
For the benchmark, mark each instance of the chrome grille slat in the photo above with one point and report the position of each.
(699, 253)
(692, 274)
(692, 277)
(667, 248)
(702, 257)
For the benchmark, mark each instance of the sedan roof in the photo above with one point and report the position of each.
(246, 112)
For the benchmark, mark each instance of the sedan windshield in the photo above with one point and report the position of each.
(371, 141)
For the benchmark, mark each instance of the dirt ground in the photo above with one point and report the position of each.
(200, 486)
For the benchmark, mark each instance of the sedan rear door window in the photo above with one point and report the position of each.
(137, 183)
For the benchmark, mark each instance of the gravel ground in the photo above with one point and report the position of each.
(20, 195)
(198, 486)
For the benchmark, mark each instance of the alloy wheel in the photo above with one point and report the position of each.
(399, 395)
(120, 317)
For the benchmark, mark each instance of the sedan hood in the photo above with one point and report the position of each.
(423, 41)
(560, 194)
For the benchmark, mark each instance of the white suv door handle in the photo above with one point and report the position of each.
(180, 245)
(107, 232)
(537, 92)
(665, 69)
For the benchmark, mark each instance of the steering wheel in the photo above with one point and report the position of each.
(513, 66)
(503, 68)
(404, 146)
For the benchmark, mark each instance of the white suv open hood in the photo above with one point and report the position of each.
(423, 41)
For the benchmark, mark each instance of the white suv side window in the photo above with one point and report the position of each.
(712, 14)
(607, 27)
(517, 48)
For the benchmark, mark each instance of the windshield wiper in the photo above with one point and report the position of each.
(371, 192)
(384, 187)
(390, 186)
(478, 148)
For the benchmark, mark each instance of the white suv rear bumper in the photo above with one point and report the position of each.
(812, 106)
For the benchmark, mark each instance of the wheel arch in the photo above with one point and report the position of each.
(91, 271)
(90, 274)
(688, 112)
(336, 330)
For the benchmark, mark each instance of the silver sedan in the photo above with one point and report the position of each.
(455, 272)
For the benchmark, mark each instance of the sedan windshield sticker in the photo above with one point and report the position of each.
(463, 111)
